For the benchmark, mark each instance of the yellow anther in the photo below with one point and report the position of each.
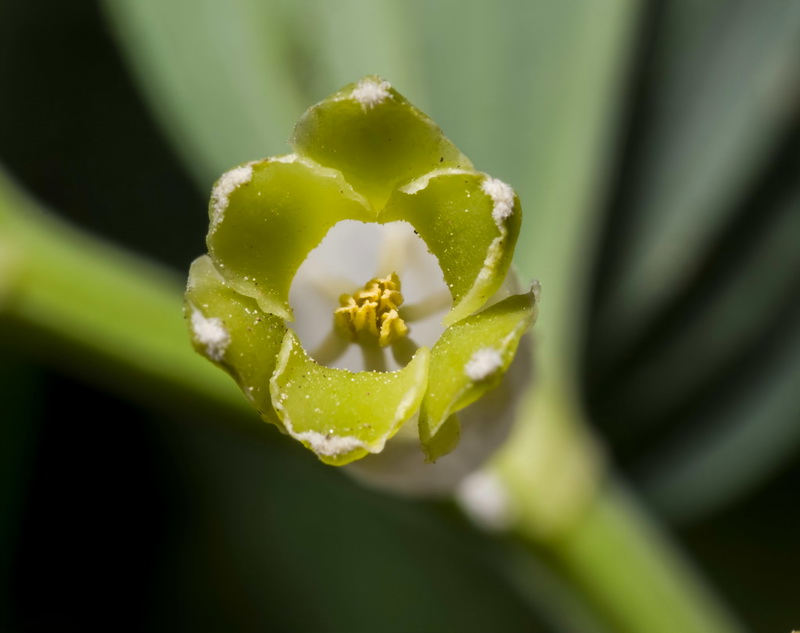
(372, 311)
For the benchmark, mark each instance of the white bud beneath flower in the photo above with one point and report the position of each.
(485, 500)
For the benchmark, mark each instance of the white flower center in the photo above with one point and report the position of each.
(351, 254)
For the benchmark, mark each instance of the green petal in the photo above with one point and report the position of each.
(341, 415)
(445, 440)
(469, 359)
(234, 333)
(470, 222)
(375, 137)
(267, 216)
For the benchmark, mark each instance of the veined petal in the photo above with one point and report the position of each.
(234, 333)
(469, 359)
(470, 222)
(375, 137)
(341, 415)
(265, 218)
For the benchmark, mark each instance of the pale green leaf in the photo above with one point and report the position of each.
(718, 113)
(215, 74)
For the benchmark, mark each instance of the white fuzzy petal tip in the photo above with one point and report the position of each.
(226, 185)
(371, 92)
(212, 334)
(483, 363)
(502, 196)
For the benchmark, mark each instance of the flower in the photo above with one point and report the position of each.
(363, 156)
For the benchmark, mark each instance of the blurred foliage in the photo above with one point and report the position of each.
(694, 342)
(679, 154)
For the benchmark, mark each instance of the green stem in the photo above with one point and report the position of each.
(116, 319)
(631, 574)
(594, 533)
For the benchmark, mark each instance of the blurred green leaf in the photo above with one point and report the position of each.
(740, 442)
(701, 260)
(724, 93)
(215, 74)
(731, 317)
(336, 43)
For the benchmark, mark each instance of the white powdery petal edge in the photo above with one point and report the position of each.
(502, 196)
(493, 255)
(484, 363)
(370, 92)
(286, 158)
(226, 185)
(415, 186)
(212, 334)
(325, 444)
(328, 444)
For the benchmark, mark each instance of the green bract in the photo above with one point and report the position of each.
(363, 154)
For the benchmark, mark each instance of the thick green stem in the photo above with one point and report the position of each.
(594, 533)
(635, 579)
(113, 317)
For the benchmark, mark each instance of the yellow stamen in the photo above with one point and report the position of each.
(372, 312)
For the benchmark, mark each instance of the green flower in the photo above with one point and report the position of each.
(364, 159)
